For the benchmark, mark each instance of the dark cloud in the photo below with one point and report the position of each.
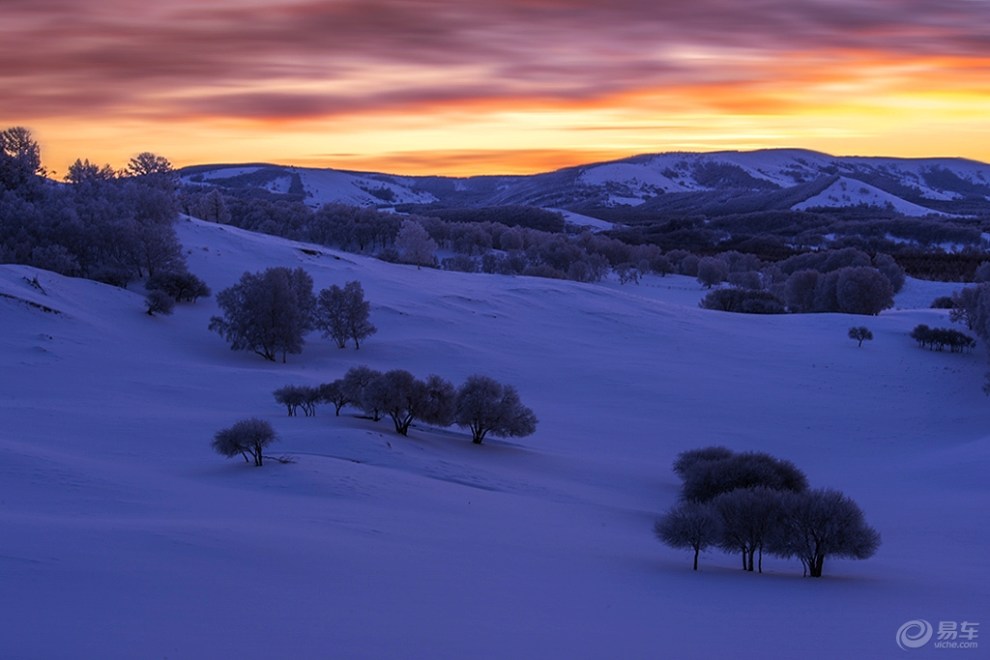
(210, 56)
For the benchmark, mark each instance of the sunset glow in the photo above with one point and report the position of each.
(511, 86)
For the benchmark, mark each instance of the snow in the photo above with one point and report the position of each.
(581, 220)
(126, 536)
(333, 186)
(851, 192)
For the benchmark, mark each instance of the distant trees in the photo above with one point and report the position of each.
(712, 271)
(267, 313)
(248, 438)
(938, 339)
(414, 244)
(753, 503)
(343, 314)
(860, 334)
(486, 406)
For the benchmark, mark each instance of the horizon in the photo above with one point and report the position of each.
(511, 87)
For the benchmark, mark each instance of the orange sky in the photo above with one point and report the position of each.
(510, 86)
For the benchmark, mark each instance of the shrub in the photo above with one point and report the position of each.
(158, 302)
(743, 301)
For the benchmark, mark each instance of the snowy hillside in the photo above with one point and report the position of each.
(125, 536)
(913, 186)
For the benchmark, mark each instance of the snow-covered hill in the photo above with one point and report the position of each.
(769, 179)
(125, 536)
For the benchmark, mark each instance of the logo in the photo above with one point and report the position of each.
(951, 635)
(914, 634)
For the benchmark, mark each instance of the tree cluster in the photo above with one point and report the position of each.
(938, 339)
(481, 404)
(270, 312)
(753, 503)
(114, 227)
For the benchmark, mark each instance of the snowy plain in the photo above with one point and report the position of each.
(125, 536)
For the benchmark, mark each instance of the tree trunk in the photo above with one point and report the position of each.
(696, 551)
(815, 569)
(752, 551)
(761, 558)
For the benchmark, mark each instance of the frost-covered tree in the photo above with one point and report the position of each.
(822, 523)
(799, 290)
(335, 393)
(248, 437)
(691, 459)
(712, 271)
(343, 314)
(705, 480)
(749, 519)
(182, 287)
(415, 245)
(488, 407)
(689, 525)
(292, 397)
(860, 334)
(20, 159)
(267, 313)
(863, 290)
(355, 385)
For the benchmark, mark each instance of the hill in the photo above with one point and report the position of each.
(714, 183)
(126, 536)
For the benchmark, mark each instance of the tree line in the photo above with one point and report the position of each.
(481, 404)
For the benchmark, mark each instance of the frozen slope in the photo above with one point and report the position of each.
(125, 536)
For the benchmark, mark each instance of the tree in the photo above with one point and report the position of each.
(396, 393)
(158, 302)
(20, 158)
(689, 525)
(822, 523)
(83, 172)
(712, 271)
(247, 437)
(267, 312)
(335, 393)
(292, 397)
(415, 245)
(152, 169)
(749, 517)
(860, 334)
(706, 479)
(799, 290)
(181, 286)
(486, 406)
(342, 314)
(688, 460)
(355, 384)
(863, 290)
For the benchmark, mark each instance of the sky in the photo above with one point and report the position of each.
(462, 87)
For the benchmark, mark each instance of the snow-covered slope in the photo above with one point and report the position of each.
(125, 536)
(847, 192)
